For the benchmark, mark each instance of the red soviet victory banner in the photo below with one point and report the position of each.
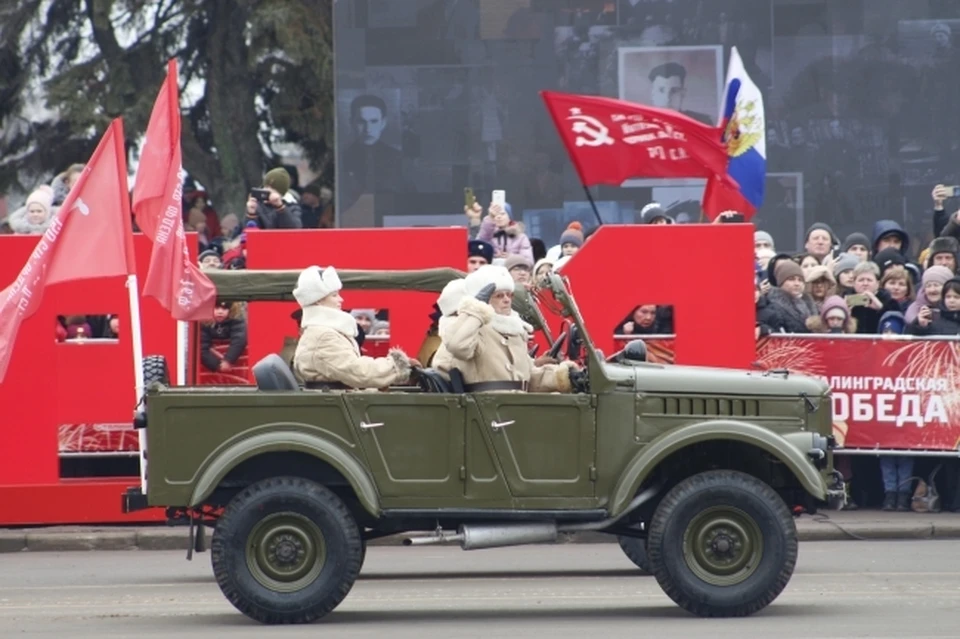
(173, 279)
(610, 141)
(89, 237)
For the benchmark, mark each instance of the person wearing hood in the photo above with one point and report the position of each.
(820, 240)
(943, 252)
(944, 318)
(506, 236)
(487, 341)
(34, 217)
(929, 292)
(892, 323)
(446, 307)
(771, 281)
(889, 234)
(541, 269)
(281, 210)
(328, 355)
(834, 317)
(789, 306)
(857, 244)
(820, 284)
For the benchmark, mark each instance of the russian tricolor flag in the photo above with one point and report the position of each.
(745, 134)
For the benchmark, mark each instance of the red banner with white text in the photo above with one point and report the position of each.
(887, 393)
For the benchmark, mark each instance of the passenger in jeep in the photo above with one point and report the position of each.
(487, 340)
(327, 355)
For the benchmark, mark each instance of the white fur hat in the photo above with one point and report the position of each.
(450, 297)
(487, 274)
(554, 253)
(560, 262)
(314, 285)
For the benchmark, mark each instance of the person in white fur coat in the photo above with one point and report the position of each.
(328, 353)
(487, 340)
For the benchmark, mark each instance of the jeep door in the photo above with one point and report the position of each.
(545, 442)
(413, 442)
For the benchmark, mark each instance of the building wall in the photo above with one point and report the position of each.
(862, 104)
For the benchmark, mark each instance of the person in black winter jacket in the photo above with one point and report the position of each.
(228, 325)
(788, 306)
(762, 329)
(944, 319)
(281, 210)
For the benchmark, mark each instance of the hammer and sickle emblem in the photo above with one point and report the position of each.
(596, 134)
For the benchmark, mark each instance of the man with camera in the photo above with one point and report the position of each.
(273, 206)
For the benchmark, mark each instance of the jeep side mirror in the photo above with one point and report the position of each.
(634, 351)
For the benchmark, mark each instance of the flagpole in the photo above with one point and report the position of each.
(593, 205)
(133, 296)
(182, 350)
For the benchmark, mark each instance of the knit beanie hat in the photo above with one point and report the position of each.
(889, 257)
(517, 260)
(653, 212)
(43, 196)
(855, 239)
(543, 262)
(892, 321)
(786, 269)
(820, 226)
(277, 179)
(763, 237)
(572, 235)
(845, 262)
(938, 274)
(834, 303)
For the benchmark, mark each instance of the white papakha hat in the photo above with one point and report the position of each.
(313, 285)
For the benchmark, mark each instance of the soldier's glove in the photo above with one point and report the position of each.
(579, 380)
(486, 293)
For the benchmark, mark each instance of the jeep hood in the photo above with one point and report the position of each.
(657, 378)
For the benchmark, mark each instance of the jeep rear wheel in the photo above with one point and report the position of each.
(722, 544)
(286, 550)
(636, 551)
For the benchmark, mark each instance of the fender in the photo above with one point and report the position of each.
(670, 442)
(217, 466)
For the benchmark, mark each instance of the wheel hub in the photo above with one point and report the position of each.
(285, 552)
(723, 546)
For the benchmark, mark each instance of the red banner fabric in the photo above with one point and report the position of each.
(610, 141)
(174, 279)
(887, 393)
(87, 239)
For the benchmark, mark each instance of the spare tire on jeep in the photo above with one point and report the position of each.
(155, 370)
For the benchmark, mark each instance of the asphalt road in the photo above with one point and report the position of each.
(841, 589)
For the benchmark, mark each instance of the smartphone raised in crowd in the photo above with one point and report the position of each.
(857, 299)
(499, 197)
(468, 197)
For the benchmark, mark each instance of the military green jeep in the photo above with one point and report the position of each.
(698, 472)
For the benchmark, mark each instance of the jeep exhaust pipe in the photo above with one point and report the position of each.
(475, 537)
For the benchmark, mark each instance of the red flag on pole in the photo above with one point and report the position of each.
(89, 237)
(173, 279)
(610, 141)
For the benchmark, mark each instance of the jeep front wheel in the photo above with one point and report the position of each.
(286, 550)
(636, 551)
(722, 544)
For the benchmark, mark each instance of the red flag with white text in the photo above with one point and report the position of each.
(173, 279)
(89, 237)
(610, 141)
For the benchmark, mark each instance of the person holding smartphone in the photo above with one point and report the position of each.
(273, 206)
(942, 319)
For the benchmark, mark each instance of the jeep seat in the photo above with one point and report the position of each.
(273, 374)
(431, 381)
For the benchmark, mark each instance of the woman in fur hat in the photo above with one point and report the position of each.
(328, 353)
(487, 340)
(789, 306)
(35, 215)
(820, 284)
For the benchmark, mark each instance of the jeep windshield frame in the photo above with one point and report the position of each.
(251, 285)
(559, 287)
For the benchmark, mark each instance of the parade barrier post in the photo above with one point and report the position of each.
(71, 386)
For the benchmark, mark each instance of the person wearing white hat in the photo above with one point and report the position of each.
(446, 306)
(487, 341)
(327, 355)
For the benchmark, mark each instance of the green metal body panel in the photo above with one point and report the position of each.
(406, 449)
